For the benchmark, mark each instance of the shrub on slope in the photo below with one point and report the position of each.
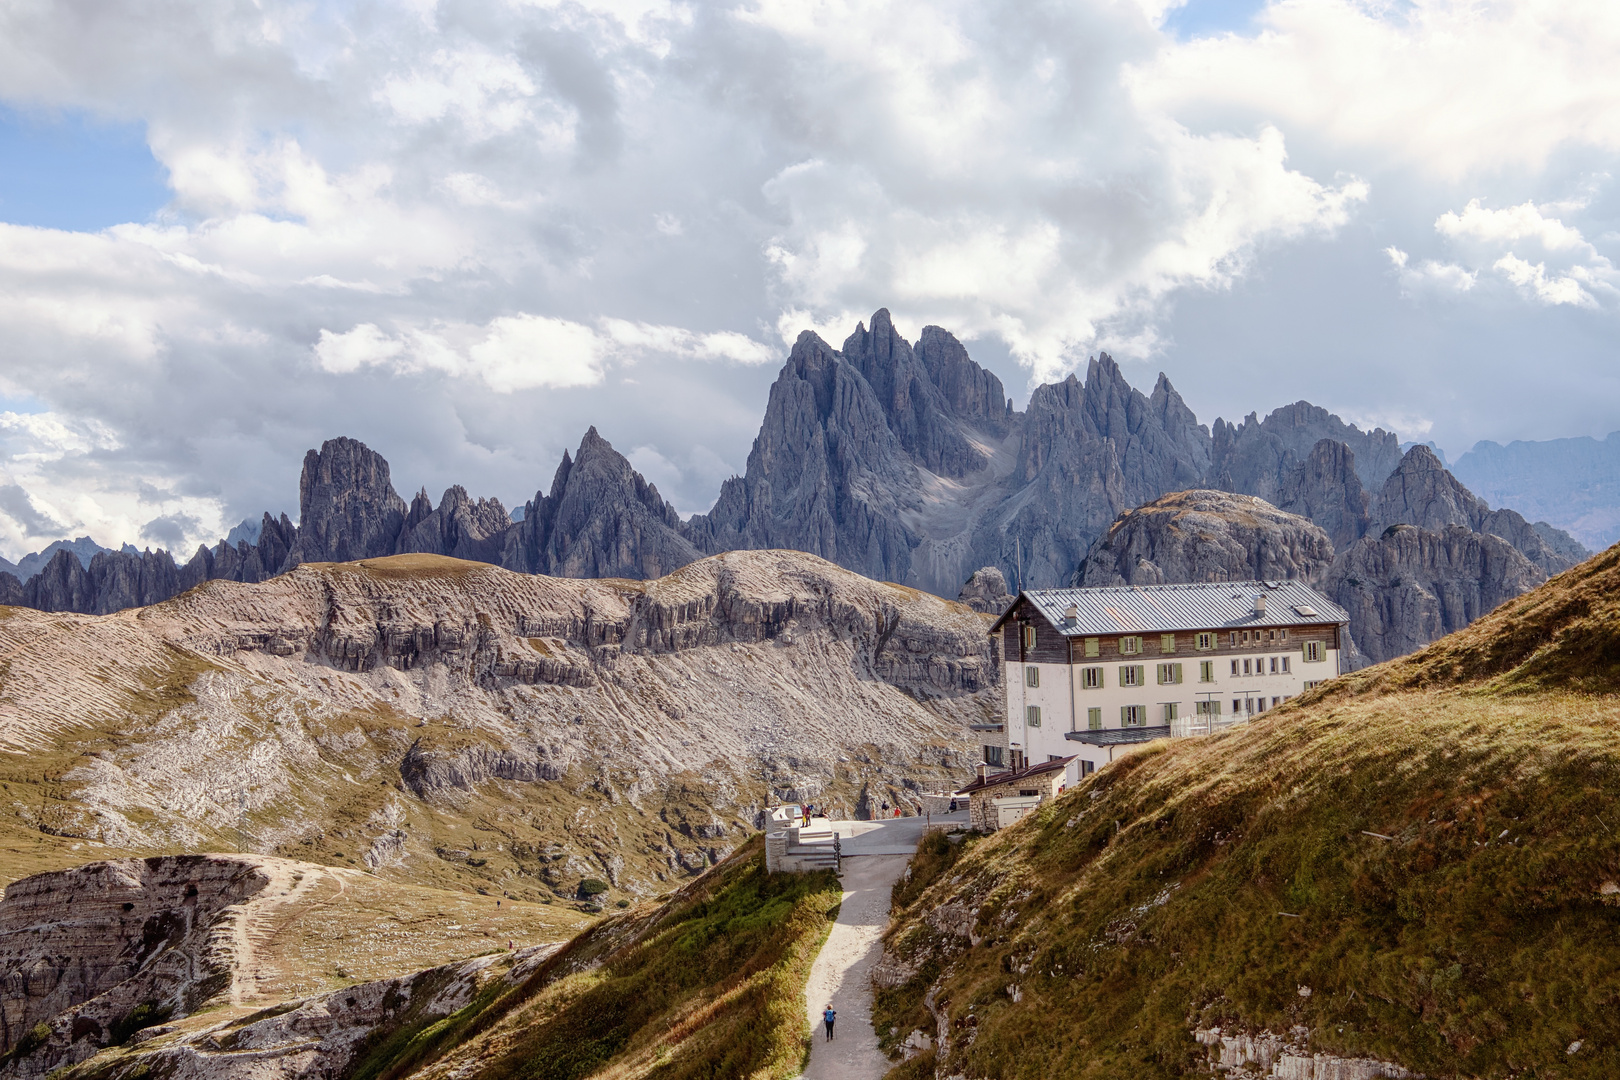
(1420, 866)
(709, 984)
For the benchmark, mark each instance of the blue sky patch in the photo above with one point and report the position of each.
(67, 170)
(1205, 18)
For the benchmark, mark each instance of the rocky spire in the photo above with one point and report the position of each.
(347, 508)
(601, 519)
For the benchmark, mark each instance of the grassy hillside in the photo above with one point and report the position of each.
(1418, 865)
(707, 984)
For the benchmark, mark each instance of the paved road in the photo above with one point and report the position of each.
(875, 855)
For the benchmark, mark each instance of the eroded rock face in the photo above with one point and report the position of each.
(986, 591)
(81, 950)
(1207, 536)
(1407, 586)
(1326, 489)
(601, 519)
(348, 509)
(1258, 456)
(372, 691)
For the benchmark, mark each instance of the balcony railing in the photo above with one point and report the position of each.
(1188, 726)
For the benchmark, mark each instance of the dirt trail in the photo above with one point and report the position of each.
(842, 973)
(266, 915)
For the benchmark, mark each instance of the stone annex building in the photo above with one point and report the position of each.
(1088, 671)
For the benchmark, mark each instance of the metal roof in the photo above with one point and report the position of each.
(995, 779)
(1148, 609)
(1119, 736)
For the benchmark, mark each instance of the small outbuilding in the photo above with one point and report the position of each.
(996, 800)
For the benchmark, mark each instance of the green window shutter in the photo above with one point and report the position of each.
(1094, 719)
(1176, 673)
(1032, 715)
(1092, 648)
(1167, 643)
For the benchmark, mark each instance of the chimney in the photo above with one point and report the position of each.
(984, 770)
(1072, 614)
(1260, 604)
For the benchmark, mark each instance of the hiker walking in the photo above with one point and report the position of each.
(827, 1017)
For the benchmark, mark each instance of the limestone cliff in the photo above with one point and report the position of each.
(366, 713)
(1408, 586)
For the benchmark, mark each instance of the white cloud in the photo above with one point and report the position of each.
(1430, 277)
(1534, 281)
(523, 352)
(363, 346)
(1445, 86)
(1512, 224)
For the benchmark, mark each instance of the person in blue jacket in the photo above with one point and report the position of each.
(827, 1017)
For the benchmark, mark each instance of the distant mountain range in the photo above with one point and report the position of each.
(1573, 483)
(905, 462)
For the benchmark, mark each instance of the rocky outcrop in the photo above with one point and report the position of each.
(826, 473)
(461, 527)
(1422, 492)
(986, 591)
(1207, 536)
(601, 519)
(347, 508)
(1326, 489)
(1257, 456)
(1407, 586)
(89, 955)
(328, 1034)
(1088, 452)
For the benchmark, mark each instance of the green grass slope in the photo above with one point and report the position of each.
(707, 984)
(1418, 865)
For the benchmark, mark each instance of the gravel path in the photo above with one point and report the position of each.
(875, 855)
(842, 973)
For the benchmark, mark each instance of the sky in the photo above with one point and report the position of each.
(464, 231)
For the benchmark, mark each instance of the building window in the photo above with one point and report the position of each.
(992, 755)
(1276, 701)
(1032, 715)
(1274, 665)
(1094, 719)
(1206, 671)
(1314, 653)
(1259, 704)
(1282, 634)
(1130, 646)
(1093, 647)
(1171, 709)
(1271, 635)
(1237, 706)
(1234, 637)
(1207, 708)
(1312, 685)
(1132, 715)
(1167, 643)
(1245, 667)
(1029, 636)
(1087, 767)
(1285, 665)
(1032, 675)
(1130, 675)
(1169, 674)
(1234, 667)
(1205, 642)
(1091, 678)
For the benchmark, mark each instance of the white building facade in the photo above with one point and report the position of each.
(1089, 671)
